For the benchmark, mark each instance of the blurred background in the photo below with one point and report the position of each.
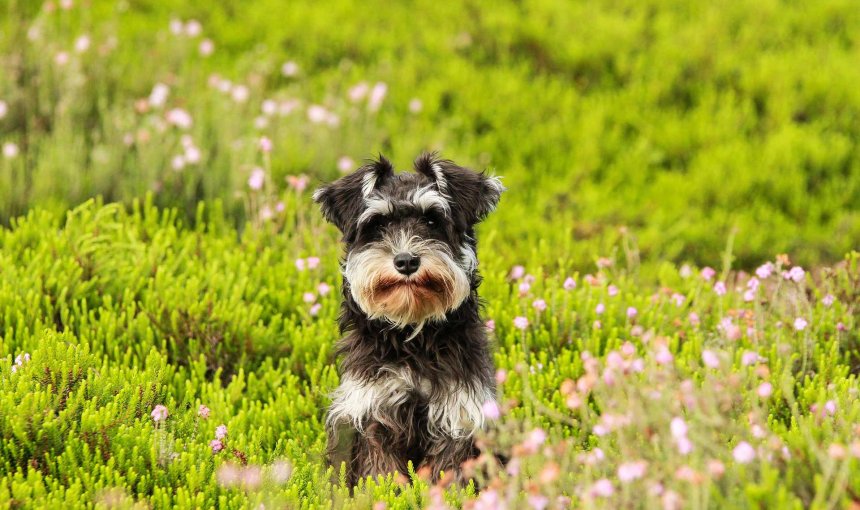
(676, 129)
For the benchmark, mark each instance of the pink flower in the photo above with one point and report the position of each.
(664, 356)
(221, 431)
(315, 309)
(599, 309)
(536, 438)
(765, 390)
(216, 445)
(716, 468)
(4, 109)
(313, 262)
(317, 114)
(82, 43)
(501, 376)
(203, 411)
(323, 288)
(300, 264)
(830, 407)
(206, 47)
(753, 283)
(602, 488)
(358, 91)
(685, 446)
(517, 272)
(240, 93)
(686, 271)
(631, 312)
(678, 299)
(298, 182)
(538, 501)
(490, 324)
(828, 300)
(290, 69)
(796, 274)
(678, 427)
(491, 410)
(629, 471)
(710, 359)
(750, 358)
(524, 288)
(693, 318)
(309, 297)
(345, 164)
(377, 95)
(612, 290)
(265, 144)
(764, 270)
(720, 288)
(708, 273)
(749, 295)
(193, 28)
(836, 451)
(539, 305)
(415, 105)
(159, 413)
(743, 453)
(569, 283)
(521, 323)
(10, 150)
(597, 325)
(729, 328)
(179, 118)
(800, 324)
(178, 162)
(257, 178)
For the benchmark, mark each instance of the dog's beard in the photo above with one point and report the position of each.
(439, 286)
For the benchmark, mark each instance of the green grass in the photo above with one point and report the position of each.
(640, 141)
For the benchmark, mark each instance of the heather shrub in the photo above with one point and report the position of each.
(130, 338)
(169, 292)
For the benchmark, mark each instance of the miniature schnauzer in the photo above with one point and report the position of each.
(415, 365)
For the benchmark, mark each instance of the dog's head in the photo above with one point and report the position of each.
(409, 237)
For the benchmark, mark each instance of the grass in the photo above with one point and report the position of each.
(641, 142)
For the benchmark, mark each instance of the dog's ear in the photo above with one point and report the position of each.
(343, 200)
(473, 195)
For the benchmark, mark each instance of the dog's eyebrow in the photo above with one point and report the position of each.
(427, 198)
(376, 205)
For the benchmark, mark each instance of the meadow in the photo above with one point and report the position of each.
(671, 280)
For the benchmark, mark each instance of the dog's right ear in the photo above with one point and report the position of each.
(343, 200)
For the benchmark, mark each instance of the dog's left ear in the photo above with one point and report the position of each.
(473, 195)
(343, 200)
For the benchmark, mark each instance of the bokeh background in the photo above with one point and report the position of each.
(684, 126)
(669, 282)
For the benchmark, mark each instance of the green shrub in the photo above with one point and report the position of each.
(122, 310)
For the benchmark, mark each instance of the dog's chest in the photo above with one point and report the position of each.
(454, 409)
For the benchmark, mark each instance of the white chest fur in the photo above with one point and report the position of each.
(454, 411)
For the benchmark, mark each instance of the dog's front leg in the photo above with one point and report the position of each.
(447, 454)
(376, 452)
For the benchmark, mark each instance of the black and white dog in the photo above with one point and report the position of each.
(415, 365)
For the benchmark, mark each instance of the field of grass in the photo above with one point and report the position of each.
(164, 272)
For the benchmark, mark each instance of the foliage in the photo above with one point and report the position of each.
(108, 313)
(684, 124)
(197, 287)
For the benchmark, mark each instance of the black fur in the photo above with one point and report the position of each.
(449, 355)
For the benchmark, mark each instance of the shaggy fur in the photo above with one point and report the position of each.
(415, 360)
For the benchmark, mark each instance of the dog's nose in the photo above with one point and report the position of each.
(406, 263)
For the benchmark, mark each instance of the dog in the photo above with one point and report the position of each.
(416, 367)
